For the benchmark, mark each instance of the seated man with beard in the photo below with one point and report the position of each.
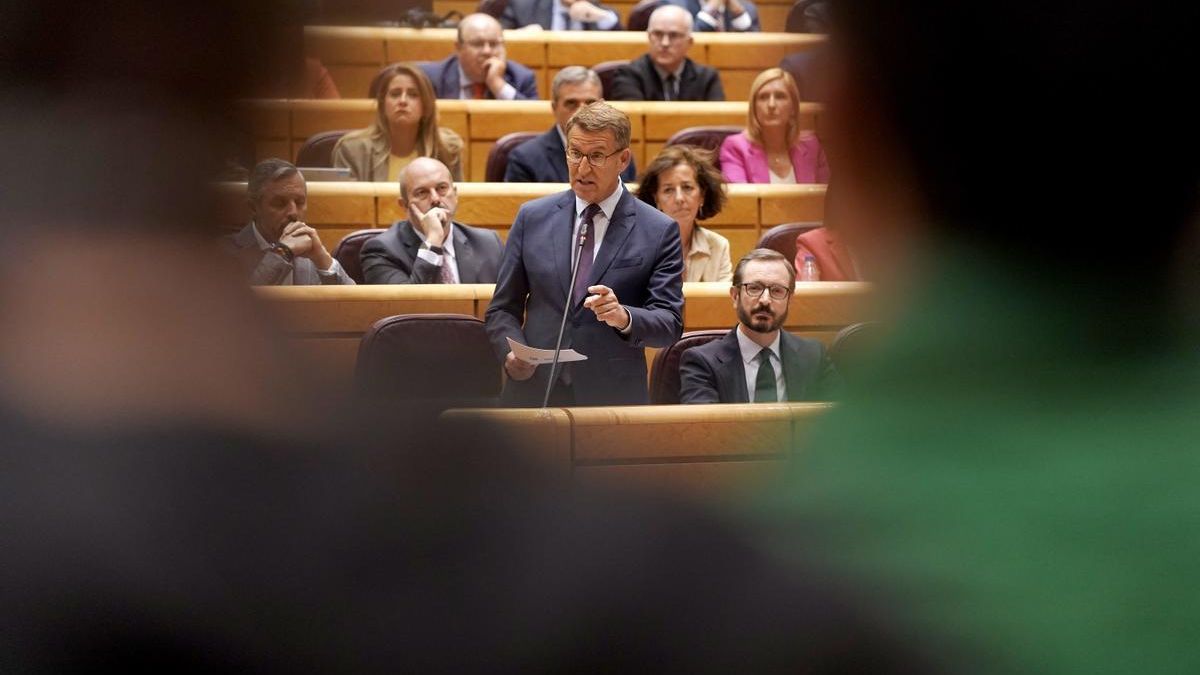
(757, 361)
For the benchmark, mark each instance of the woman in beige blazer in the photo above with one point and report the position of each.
(683, 183)
(405, 127)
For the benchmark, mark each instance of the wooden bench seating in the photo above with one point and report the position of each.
(711, 450)
(354, 55)
(336, 209)
(325, 323)
(279, 127)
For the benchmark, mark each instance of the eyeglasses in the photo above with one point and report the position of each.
(658, 35)
(596, 159)
(480, 44)
(756, 289)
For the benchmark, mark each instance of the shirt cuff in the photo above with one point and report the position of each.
(708, 19)
(628, 329)
(333, 270)
(508, 93)
(429, 256)
(742, 22)
(608, 22)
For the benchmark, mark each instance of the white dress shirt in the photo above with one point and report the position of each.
(560, 19)
(447, 258)
(600, 223)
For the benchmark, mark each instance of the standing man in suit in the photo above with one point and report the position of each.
(543, 159)
(629, 290)
(479, 69)
(734, 16)
(277, 248)
(665, 73)
(431, 247)
(758, 361)
(559, 15)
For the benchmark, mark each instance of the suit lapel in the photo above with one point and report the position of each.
(562, 221)
(792, 376)
(450, 77)
(656, 86)
(614, 237)
(732, 370)
(464, 255)
(555, 154)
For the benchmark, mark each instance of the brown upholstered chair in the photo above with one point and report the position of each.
(607, 70)
(639, 14)
(664, 372)
(317, 150)
(436, 361)
(708, 137)
(782, 238)
(497, 158)
(347, 250)
(852, 346)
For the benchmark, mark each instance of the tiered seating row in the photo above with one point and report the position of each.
(279, 127)
(336, 209)
(326, 323)
(772, 14)
(354, 55)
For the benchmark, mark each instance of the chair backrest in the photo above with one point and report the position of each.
(317, 149)
(441, 360)
(708, 137)
(664, 372)
(808, 16)
(497, 159)
(347, 250)
(607, 70)
(782, 238)
(639, 14)
(493, 8)
(851, 346)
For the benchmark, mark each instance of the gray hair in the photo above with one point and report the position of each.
(572, 75)
(765, 255)
(266, 172)
(691, 23)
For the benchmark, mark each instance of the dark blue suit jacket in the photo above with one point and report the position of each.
(444, 75)
(694, 7)
(640, 259)
(543, 160)
(715, 373)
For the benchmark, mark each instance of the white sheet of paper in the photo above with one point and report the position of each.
(539, 356)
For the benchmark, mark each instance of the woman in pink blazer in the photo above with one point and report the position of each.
(772, 148)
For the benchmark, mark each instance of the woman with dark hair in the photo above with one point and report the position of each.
(683, 183)
(405, 127)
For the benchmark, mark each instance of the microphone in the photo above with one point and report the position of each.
(583, 227)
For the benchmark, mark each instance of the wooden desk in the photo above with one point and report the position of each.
(280, 126)
(326, 323)
(705, 450)
(336, 209)
(354, 55)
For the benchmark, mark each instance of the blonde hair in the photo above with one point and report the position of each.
(441, 144)
(753, 128)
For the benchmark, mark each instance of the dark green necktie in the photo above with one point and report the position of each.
(764, 384)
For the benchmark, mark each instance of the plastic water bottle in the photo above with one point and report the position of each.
(809, 270)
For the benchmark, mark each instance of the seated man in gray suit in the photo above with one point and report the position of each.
(665, 73)
(430, 247)
(277, 248)
(543, 159)
(757, 360)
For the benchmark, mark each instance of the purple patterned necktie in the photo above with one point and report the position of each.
(585, 256)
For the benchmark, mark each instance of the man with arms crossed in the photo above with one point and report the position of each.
(430, 247)
(758, 361)
(629, 290)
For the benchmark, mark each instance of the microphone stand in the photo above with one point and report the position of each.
(583, 226)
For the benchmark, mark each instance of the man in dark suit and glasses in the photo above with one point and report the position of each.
(665, 73)
(629, 291)
(758, 361)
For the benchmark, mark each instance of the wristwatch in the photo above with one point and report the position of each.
(283, 251)
(437, 249)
